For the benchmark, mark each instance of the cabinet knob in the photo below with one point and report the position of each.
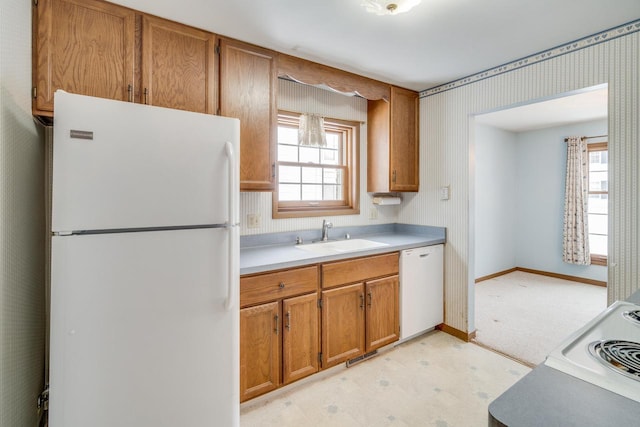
(281, 285)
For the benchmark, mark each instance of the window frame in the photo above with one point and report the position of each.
(350, 205)
(599, 259)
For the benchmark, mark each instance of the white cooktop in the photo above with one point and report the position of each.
(574, 358)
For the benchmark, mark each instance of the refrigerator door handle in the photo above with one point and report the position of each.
(233, 193)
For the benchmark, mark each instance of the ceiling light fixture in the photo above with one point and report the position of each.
(389, 7)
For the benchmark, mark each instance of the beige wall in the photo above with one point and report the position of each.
(22, 326)
(446, 158)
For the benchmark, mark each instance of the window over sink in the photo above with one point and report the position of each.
(316, 180)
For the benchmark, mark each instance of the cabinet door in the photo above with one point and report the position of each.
(248, 92)
(300, 344)
(342, 324)
(260, 329)
(404, 156)
(178, 66)
(382, 314)
(84, 47)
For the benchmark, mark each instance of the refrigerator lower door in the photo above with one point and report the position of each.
(139, 333)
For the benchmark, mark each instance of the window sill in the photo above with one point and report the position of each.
(331, 211)
(599, 260)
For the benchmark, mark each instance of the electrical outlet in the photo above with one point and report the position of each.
(253, 220)
(444, 192)
(373, 212)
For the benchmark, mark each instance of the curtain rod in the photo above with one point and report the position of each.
(589, 137)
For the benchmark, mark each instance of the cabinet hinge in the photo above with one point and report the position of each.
(43, 399)
(218, 49)
(320, 358)
(34, 92)
(320, 303)
(35, 3)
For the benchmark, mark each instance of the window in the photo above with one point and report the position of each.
(316, 181)
(598, 207)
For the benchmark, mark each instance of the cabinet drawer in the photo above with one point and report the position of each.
(281, 284)
(357, 270)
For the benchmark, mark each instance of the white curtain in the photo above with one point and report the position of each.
(576, 229)
(311, 131)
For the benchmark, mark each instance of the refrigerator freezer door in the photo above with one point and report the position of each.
(119, 165)
(139, 333)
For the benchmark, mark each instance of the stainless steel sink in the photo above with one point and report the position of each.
(340, 246)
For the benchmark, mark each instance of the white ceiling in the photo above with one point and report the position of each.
(437, 42)
(581, 107)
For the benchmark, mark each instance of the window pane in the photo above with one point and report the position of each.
(598, 181)
(333, 140)
(329, 157)
(332, 176)
(332, 192)
(287, 135)
(598, 161)
(309, 155)
(287, 153)
(289, 192)
(597, 244)
(598, 203)
(312, 175)
(311, 192)
(598, 224)
(289, 174)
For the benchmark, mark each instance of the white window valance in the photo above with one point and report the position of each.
(311, 131)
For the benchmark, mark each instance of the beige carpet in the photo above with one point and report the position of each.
(526, 315)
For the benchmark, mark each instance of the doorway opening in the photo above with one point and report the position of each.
(526, 300)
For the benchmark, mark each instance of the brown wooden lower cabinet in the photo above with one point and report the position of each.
(281, 341)
(279, 344)
(359, 318)
(259, 350)
(342, 324)
(300, 343)
(382, 313)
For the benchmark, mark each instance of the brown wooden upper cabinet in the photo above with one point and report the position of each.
(91, 47)
(248, 79)
(178, 64)
(392, 143)
(85, 47)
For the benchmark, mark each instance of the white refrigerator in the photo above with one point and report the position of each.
(144, 270)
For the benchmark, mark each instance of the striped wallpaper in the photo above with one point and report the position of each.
(22, 226)
(301, 98)
(446, 157)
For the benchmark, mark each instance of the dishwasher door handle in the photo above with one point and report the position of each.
(424, 255)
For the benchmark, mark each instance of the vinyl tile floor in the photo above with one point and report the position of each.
(432, 380)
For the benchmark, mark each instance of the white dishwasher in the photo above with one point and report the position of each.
(421, 290)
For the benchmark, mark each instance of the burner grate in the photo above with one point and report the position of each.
(633, 315)
(622, 356)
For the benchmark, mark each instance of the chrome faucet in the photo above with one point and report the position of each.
(325, 230)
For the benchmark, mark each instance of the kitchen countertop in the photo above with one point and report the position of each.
(259, 253)
(548, 397)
